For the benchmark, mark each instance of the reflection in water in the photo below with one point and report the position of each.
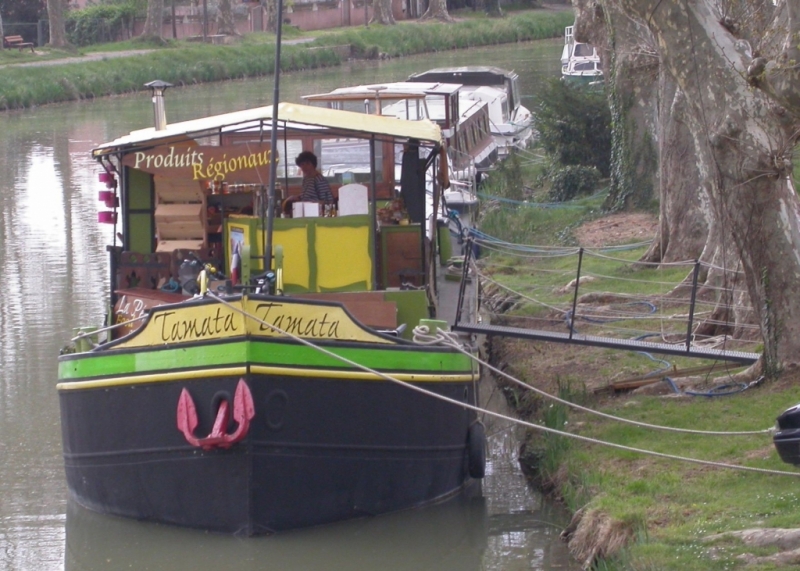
(53, 267)
(443, 537)
(523, 531)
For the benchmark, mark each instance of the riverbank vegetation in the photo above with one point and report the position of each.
(186, 63)
(632, 511)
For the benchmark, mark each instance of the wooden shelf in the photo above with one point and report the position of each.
(180, 215)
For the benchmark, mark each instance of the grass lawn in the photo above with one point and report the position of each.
(662, 510)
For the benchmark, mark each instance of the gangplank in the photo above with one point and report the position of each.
(684, 349)
(609, 342)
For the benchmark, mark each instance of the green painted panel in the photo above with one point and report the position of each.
(395, 358)
(140, 224)
(140, 196)
(392, 358)
(103, 364)
(141, 232)
(412, 305)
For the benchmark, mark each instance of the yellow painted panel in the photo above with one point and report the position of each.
(207, 321)
(194, 322)
(307, 320)
(296, 265)
(342, 257)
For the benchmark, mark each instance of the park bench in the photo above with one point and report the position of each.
(16, 42)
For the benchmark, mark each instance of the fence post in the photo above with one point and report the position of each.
(691, 305)
(575, 297)
(40, 32)
(463, 285)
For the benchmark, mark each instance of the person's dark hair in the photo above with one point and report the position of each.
(306, 157)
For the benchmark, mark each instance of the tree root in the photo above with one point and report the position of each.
(787, 540)
(701, 382)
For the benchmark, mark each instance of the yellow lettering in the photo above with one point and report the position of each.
(197, 172)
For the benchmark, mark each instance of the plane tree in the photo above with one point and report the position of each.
(226, 21)
(382, 13)
(154, 21)
(437, 9)
(56, 15)
(726, 113)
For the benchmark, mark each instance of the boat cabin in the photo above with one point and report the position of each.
(198, 191)
(510, 121)
(579, 61)
(465, 123)
(476, 77)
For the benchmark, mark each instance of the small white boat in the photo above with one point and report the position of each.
(510, 121)
(579, 61)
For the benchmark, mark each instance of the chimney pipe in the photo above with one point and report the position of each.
(158, 88)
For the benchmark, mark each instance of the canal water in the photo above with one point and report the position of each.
(53, 268)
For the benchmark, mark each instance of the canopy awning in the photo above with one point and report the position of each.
(346, 123)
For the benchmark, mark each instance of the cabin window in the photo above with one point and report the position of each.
(288, 172)
(343, 161)
(454, 112)
(513, 93)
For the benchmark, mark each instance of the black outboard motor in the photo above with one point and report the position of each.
(787, 438)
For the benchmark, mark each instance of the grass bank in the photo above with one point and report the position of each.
(186, 63)
(634, 511)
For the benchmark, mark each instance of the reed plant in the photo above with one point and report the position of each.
(182, 63)
(409, 38)
(189, 64)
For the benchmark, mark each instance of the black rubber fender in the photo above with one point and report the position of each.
(476, 450)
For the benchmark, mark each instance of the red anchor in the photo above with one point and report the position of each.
(243, 413)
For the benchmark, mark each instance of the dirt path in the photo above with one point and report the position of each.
(100, 56)
(94, 56)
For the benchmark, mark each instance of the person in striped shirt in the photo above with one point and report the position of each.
(315, 187)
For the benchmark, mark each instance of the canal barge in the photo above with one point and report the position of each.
(511, 123)
(287, 392)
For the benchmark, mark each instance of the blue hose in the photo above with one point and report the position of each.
(718, 391)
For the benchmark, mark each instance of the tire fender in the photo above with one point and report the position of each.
(476, 450)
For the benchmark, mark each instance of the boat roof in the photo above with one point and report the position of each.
(292, 115)
(396, 90)
(466, 75)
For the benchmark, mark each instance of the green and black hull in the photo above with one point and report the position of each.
(327, 441)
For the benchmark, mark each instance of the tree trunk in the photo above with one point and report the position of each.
(493, 8)
(683, 212)
(2, 33)
(226, 24)
(155, 20)
(271, 10)
(56, 15)
(382, 13)
(743, 146)
(437, 9)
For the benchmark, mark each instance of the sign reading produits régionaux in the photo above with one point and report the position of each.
(241, 163)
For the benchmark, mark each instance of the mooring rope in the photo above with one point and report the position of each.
(489, 412)
(423, 337)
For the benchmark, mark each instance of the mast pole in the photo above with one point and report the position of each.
(273, 165)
